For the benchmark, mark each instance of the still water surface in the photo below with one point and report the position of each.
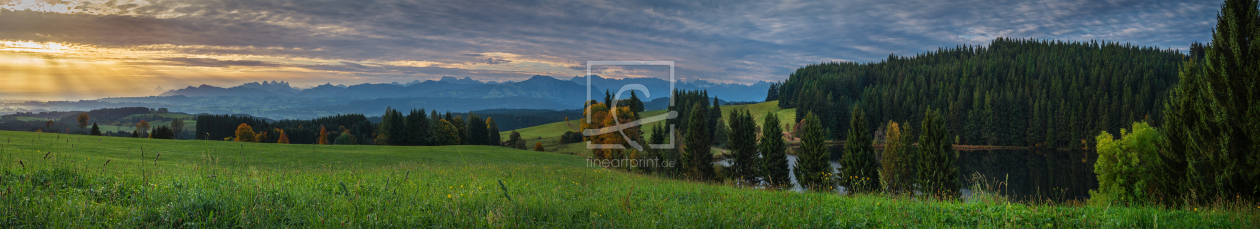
(1017, 174)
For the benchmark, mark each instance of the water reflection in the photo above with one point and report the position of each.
(1019, 175)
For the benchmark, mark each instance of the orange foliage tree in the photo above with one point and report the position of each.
(284, 138)
(245, 133)
(323, 136)
(602, 118)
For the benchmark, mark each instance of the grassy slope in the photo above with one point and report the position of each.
(550, 133)
(230, 184)
(189, 125)
(24, 118)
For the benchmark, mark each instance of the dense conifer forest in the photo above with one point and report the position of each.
(1012, 92)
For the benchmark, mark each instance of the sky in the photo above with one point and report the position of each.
(85, 49)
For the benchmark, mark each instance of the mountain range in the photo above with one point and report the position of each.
(569, 93)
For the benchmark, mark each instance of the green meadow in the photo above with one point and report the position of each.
(549, 134)
(75, 181)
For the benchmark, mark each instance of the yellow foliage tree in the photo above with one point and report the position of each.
(245, 133)
(284, 138)
(896, 170)
(602, 118)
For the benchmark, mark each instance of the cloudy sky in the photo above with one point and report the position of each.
(82, 49)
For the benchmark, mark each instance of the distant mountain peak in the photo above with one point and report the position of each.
(465, 80)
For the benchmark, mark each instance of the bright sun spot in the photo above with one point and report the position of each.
(31, 46)
(36, 5)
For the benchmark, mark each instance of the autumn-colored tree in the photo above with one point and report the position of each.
(142, 128)
(284, 138)
(896, 170)
(48, 125)
(538, 146)
(602, 118)
(445, 133)
(323, 136)
(493, 132)
(245, 133)
(83, 120)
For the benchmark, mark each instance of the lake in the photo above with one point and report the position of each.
(1017, 174)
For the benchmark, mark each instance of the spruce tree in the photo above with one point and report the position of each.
(742, 141)
(774, 163)
(715, 118)
(461, 127)
(494, 138)
(813, 168)
(858, 167)
(434, 119)
(417, 128)
(477, 130)
(608, 99)
(96, 130)
(699, 154)
(1212, 115)
(937, 175)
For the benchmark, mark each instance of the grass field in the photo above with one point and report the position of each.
(51, 180)
(24, 118)
(549, 134)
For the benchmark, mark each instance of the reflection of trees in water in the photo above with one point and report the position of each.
(1055, 175)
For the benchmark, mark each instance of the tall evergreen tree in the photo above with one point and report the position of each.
(608, 99)
(494, 138)
(417, 128)
(742, 141)
(858, 167)
(96, 130)
(636, 104)
(434, 119)
(715, 118)
(461, 127)
(813, 166)
(477, 130)
(773, 93)
(664, 156)
(774, 168)
(1212, 115)
(699, 154)
(936, 172)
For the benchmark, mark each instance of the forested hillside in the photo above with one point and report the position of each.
(1013, 92)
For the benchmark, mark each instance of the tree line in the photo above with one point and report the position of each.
(1013, 92)
(1205, 150)
(416, 128)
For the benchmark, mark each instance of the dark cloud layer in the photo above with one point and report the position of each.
(735, 41)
